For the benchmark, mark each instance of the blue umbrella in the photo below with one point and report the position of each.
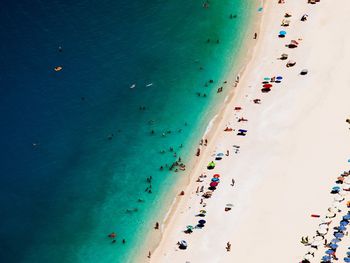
(333, 246)
(279, 78)
(241, 130)
(336, 188)
(341, 228)
(346, 217)
(348, 253)
(330, 251)
(338, 235)
(215, 179)
(326, 258)
(347, 259)
(344, 223)
(220, 154)
(335, 240)
(202, 222)
(283, 32)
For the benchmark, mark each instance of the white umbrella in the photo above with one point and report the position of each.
(318, 238)
(322, 231)
(330, 215)
(338, 198)
(308, 257)
(312, 250)
(323, 226)
(317, 243)
(343, 193)
(347, 181)
(326, 220)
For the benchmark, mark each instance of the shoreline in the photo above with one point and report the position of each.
(153, 238)
(183, 202)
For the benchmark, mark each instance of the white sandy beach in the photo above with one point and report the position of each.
(296, 146)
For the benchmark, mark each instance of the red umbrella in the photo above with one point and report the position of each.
(214, 184)
(216, 175)
(267, 85)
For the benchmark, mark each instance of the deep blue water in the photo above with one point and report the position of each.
(93, 147)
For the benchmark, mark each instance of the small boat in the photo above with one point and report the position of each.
(149, 85)
(58, 68)
(132, 86)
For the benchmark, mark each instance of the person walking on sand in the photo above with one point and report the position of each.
(233, 182)
(149, 254)
(255, 35)
(156, 226)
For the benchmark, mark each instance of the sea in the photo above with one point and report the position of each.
(96, 96)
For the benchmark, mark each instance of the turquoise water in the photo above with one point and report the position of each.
(93, 145)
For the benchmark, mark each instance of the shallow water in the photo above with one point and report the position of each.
(93, 145)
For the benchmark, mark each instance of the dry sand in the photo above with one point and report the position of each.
(297, 144)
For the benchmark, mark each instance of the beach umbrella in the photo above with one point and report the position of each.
(284, 56)
(304, 72)
(343, 193)
(346, 217)
(267, 85)
(326, 220)
(333, 246)
(265, 90)
(203, 212)
(216, 175)
(336, 188)
(308, 256)
(323, 226)
(267, 78)
(348, 253)
(291, 63)
(347, 259)
(279, 78)
(330, 251)
(322, 231)
(241, 130)
(316, 243)
(338, 198)
(333, 209)
(211, 165)
(330, 215)
(326, 258)
(220, 154)
(312, 250)
(344, 223)
(202, 222)
(282, 32)
(318, 238)
(347, 181)
(189, 227)
(215, 179)
(341, 228)
(229, 205)
(338, 235)
(214, 184)
(335, 240)
(182, 244)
